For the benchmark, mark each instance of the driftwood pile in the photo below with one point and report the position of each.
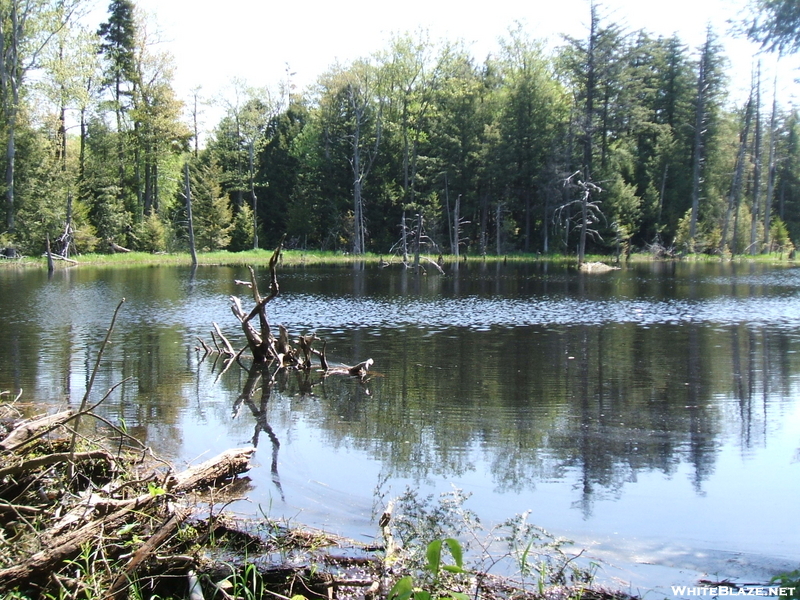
(99, 523)
(267, 348)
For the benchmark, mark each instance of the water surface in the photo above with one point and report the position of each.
(649, 413)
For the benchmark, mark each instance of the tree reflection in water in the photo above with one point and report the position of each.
(264, 378)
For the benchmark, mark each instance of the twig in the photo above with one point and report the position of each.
(77, 415)
(228, 348)
(150, 546)
(85, 400)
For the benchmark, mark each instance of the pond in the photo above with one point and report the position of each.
(651, 414)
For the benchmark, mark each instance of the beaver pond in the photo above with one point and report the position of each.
(650, 413)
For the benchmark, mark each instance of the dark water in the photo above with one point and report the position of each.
(650, 413)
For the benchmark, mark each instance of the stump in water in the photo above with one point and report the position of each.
(267, 348)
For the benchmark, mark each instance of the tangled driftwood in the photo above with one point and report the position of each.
(267, 348)
(56, 526)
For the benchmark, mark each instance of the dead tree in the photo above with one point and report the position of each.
(266, 347)
(589, 214)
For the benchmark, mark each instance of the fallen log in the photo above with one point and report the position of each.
(26, 430)
(143, 553)
(224, 466)
(102, 516)
(62, 548)
(117, 247)
(52, 459)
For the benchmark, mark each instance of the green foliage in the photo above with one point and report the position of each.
(789, 580)
(775, 24)
(213, 216)
(119, 38)
(246, 583)
(414, 128)
(151, 234)
(404, 588)
(779, 237)
(107, 211)
(155, 490)
(542, 560)
(241, 233)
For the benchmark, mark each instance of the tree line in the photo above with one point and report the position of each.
(613, 142)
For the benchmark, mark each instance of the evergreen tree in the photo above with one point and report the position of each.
(775, 24)
(118, 47)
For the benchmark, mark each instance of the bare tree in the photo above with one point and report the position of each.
(589, 214)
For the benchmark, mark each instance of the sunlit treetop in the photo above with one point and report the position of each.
(775, 24)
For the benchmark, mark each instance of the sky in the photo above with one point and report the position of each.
(260, 41)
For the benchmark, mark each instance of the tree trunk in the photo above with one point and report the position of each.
(188, 192)
(736, 186)
(584, 228)
(457, 226)
(253, 198)
(697, 153)
(754, 217)
(771, 169)
(698, 146)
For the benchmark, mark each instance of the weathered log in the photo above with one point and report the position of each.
(117, 247)
(61, 548)
(31, 427)
(361, 369)
(65, 545)
(597, 267)
(224, 466)
(52, 459)
(149, 547)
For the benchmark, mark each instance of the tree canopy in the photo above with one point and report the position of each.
(775, 25)
(615, 141)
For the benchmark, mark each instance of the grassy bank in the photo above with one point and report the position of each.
(299, 258)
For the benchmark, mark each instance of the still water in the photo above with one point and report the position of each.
(652, 414)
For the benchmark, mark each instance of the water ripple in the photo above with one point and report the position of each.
(316, 311)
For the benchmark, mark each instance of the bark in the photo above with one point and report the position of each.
(26, 430)
(771, 170)
(736, 186)
(224, 466)
(754, 217)
(188, 192)
(118, 588)
(103, 516)
(63, 547)
(52, 459)
(697, 151)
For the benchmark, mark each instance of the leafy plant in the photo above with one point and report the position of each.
(155, 490)
(404, 588)
(540, 559)
(246, 584)
(789, 580)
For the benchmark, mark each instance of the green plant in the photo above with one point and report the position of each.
(155, 490)
(789, 580)
(245, 583)
(89, 567)
(539, 554)
(404, 588)
(540, 559)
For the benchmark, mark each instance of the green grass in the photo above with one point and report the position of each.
(293, 258)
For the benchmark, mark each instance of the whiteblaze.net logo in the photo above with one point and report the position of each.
(724, 590)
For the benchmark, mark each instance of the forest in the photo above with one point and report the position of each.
(616, 142)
